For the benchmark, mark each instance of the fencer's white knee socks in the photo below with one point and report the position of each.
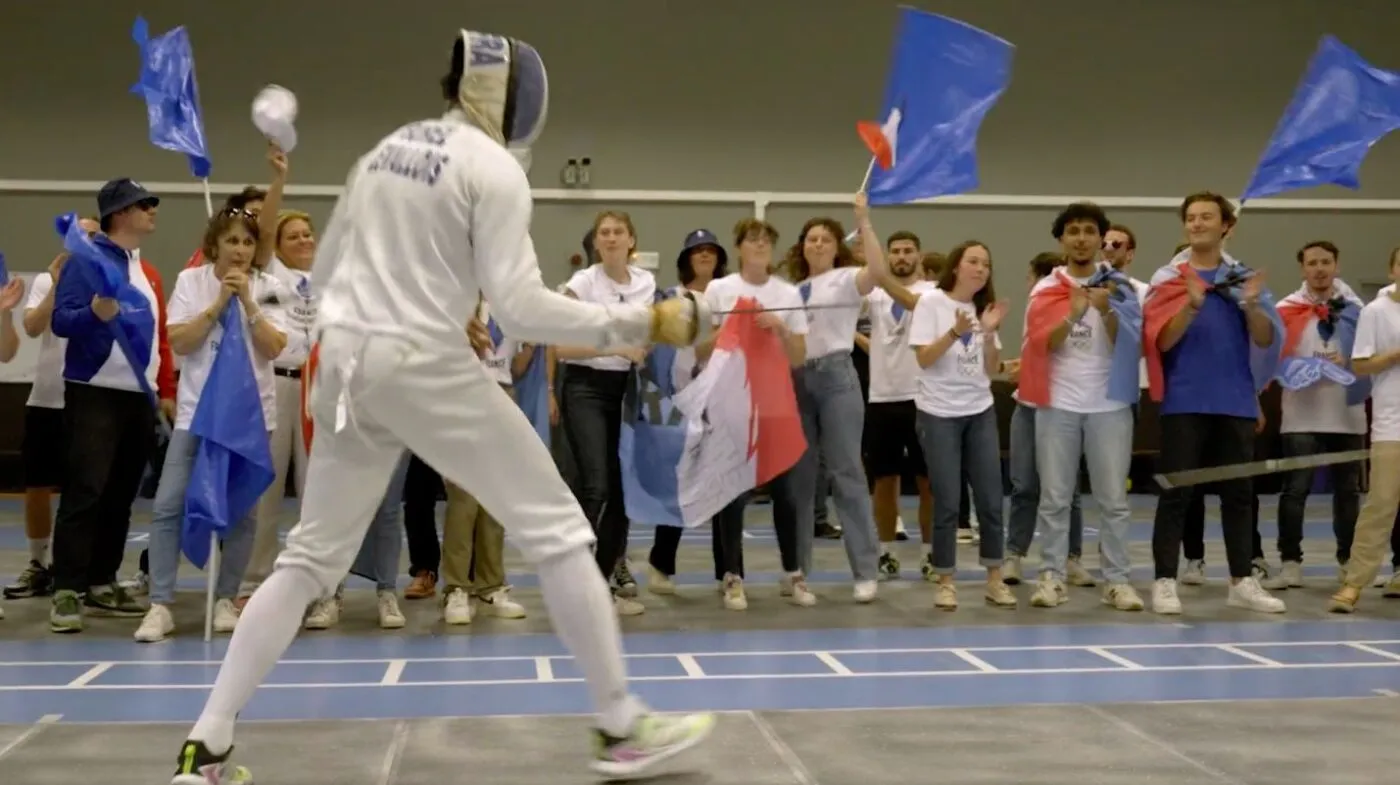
(267, 626)
(581, 608)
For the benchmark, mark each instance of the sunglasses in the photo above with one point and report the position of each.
(1112, 245)
(237, 212)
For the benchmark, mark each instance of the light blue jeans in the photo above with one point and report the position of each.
(1105, 440)
(382, 547)
(833, 420)
(167, 521)
(1025, 490)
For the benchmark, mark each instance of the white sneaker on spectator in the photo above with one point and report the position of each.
(457, 607)
(156, 626)
(390, 617)
(1195, 573)
(325, 613)
(499, 604)
(225, 616)
(1164, 598)
(1248, 594)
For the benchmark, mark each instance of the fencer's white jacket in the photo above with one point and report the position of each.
(436, 213)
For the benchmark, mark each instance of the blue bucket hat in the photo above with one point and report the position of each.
(698, 238)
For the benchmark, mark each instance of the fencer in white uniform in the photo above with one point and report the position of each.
(437, 213)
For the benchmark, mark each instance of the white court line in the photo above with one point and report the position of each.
(783, 751)
(1111, 657)
(91, 673)
(393, 673)
(1389, 655)
(389, 770)
(968, 657)
(544, 669)
(691, 666)
(834, 664)
(1387, 693)
(1249, 655)
(1165, 746)
(29, 733)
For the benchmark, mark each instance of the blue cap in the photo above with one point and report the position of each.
(698, 238)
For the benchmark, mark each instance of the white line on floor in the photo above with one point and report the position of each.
(1389, 655)
(1249, 655)
(783, 751)
(972, 659)
(834, 664)
(544, 669)
(393, 673)
(32, 731)
(690, 666)
(91, 673)
(1166, 747)
(1118, 658)
(389, 771)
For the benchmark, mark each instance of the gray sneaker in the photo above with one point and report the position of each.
(114, 600)
(66, 615)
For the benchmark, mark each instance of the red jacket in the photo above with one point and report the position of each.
(165, 374)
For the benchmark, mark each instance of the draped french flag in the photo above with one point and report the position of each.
(1334, 320)
(233, 463)
(882, 140)
(653, 438)
(1167, 296)
(1050, 307)
(742, 428)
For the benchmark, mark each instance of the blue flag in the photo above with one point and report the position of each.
(233, 463)
(4, 271)
(1123, 375)
(652, 443)
(532, 393)
(168, 84)
(1340, 109)
(944, 78)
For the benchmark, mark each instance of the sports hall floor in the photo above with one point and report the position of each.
(838, 694)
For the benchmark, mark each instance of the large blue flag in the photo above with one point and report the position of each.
(1340, 109)
(532, 392)
(944, 78)
(651, 443)
(233, 463)
(168, 84)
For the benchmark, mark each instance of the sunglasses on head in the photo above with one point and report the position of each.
(238, 212)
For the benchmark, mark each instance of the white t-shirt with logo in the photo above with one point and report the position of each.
(722, 295)
(299, 313)
(1321, 407)
(195, 291)
(592, 285)
(894, 372)
(47, 391)
(956, 385)
(503, 349)
(1080, 368)
(835, 309)
(1378, 332)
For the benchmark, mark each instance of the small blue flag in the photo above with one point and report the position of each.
(168, 84)
(1340, 109)
(4, 271)
(944, 79)
(532, 393)
(233, 463)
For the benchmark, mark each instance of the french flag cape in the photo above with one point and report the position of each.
(1334, 319)
(741, 420)
(1049, 308)
(1167, 296)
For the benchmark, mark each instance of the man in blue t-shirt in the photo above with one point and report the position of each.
(1206, 322)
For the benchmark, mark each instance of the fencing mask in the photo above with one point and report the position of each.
(502, 82)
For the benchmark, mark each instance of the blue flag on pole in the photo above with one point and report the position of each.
(532, 393)
(4, 271)
(1340, 109)
(233, 463)
(944, 78)
(168, 84)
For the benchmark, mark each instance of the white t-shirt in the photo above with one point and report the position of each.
(722, 295)
(831, 330)
(195, 291)
(503, 349)
(1079, 369)
(894, 373)
(1378, 332)
(1322, 407)
(299, 313)
(956, 385)
(592, 285)
(47, 391)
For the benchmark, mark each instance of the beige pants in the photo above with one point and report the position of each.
(1373, 527)
(473, 545)
(288, 453)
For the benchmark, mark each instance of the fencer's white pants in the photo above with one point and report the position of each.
(375, 396)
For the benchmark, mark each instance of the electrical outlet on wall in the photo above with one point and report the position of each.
(585, 176)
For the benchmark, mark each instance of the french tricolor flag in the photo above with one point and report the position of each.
(882, 140)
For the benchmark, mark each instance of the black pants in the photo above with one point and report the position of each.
(111, 433)
(421, 490)
(591, 408)
(726, 544)
(1346, 492)
(1194, 441)
(1193, 534)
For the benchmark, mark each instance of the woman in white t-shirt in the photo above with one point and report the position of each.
(954, 337)
(195, 318)
(593, 387)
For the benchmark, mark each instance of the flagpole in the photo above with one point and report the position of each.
(869, 170)
(211, 569)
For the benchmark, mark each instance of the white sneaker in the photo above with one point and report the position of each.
(225, 616)
(794, 588)
(156, 625)
(1290, 576)
(499, 604)
(1011, 570)
(1049, 592)
(457, 607)
(1248, 594)
(390, 617)
(626, 606)
(325, 613)
(734, 597)
(1195, 573)
(1164, 598)
(659, 582)
(865, 591)
(1122, 596)
(1077, 575)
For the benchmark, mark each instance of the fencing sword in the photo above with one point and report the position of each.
(821, 307)
(1239, 471)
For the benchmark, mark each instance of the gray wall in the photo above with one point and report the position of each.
(1109, 97)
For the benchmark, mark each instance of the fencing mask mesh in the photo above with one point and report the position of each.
(504, 82)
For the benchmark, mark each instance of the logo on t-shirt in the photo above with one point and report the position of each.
(1081, 337)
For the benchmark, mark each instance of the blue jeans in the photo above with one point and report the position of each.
(1025, 490)
(380, 551)
(1105, 441)
(954, 446)
(833, 420)
(167, 521)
